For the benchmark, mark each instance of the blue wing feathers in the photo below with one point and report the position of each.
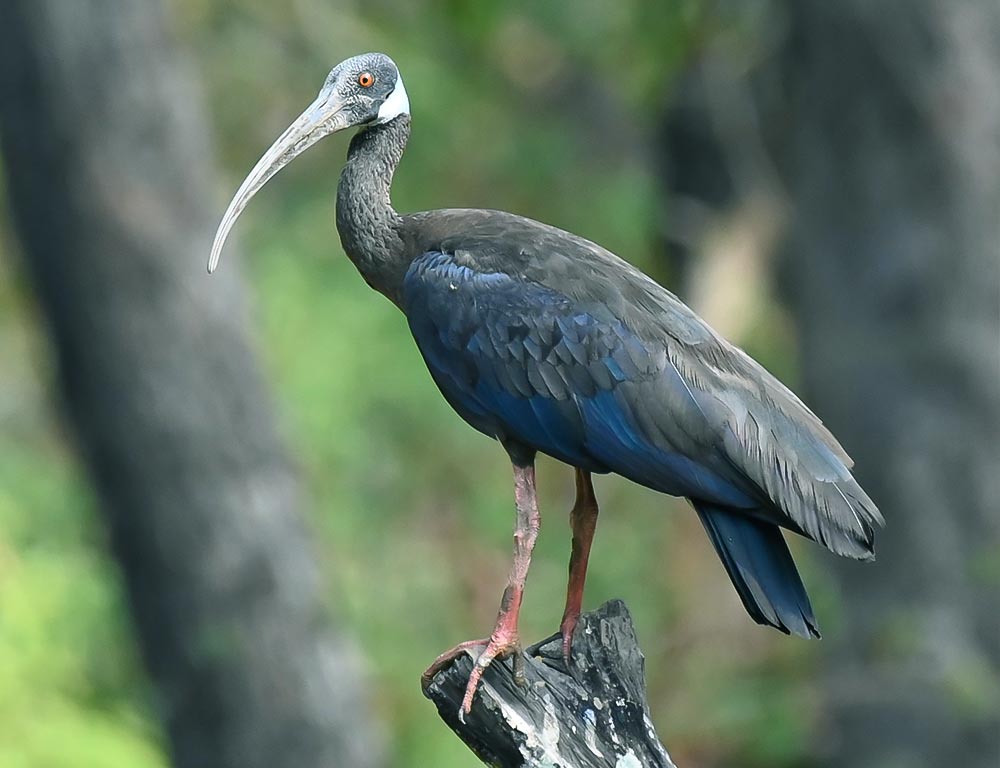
(521, 361)
(550, 377)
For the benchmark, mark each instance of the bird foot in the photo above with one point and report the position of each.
(502, 643)
(566, 629)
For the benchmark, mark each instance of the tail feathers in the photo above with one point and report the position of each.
(757, 559)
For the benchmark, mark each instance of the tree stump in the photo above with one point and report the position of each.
(593, 715)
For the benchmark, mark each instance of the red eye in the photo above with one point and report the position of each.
(366, 79)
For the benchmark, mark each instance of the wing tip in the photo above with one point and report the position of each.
(857, 545)
(847, 522)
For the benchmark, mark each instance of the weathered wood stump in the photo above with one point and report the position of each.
(593, 715)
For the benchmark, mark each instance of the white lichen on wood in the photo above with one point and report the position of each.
(592, 715)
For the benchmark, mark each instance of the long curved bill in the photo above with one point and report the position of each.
(321, 118)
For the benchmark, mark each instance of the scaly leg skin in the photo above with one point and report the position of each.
(504, 639)
(583, 519)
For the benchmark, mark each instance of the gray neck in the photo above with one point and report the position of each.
(369, 227)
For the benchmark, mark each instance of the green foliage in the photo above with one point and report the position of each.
(516, 106)
(71, 693)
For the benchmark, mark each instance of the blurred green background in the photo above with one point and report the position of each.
(409, 509)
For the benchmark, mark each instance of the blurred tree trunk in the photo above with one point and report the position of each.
(894, 276)
(884, 122)
(110, 180)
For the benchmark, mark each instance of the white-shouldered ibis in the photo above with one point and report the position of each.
(548, 342)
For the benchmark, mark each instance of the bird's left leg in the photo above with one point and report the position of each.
(504, 640)
(583, 520)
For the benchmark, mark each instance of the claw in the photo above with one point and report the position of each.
(520, 680)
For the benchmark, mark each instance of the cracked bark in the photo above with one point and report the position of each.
(109, 179)
(594, 715)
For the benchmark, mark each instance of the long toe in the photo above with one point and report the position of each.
(499, 647)
(447, 658)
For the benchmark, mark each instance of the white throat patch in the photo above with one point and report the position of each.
(396, 104)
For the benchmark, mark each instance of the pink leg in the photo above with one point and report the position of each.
(583, 519)
(504, 639)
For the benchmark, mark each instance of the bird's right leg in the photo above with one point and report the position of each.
(583, 520)
(505, 639)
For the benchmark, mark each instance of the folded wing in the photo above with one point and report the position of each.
(619, 375)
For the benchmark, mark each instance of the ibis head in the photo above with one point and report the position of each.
(360, 91)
